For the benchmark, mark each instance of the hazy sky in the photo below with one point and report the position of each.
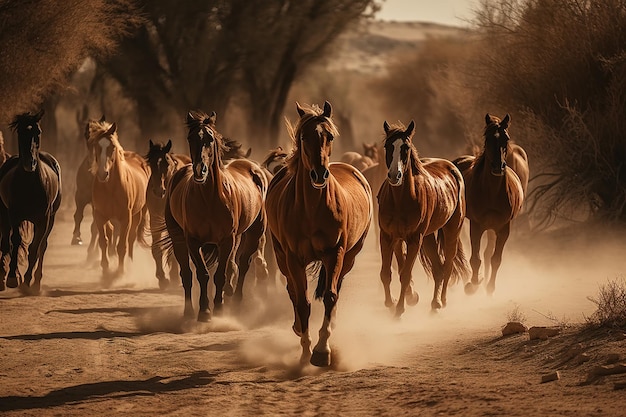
(450, 12)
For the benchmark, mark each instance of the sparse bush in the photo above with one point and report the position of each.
(516, 315)
(610, 305)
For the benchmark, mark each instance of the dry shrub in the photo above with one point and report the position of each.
(516, 315)
(610, 305)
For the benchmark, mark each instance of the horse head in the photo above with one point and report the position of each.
(275, 160)
(205, 144)
(398, 148)
(496, 143)
(234, 150)
(316, 134)
(162, 166)
(371, 151)
(103, 142)
(29, 138)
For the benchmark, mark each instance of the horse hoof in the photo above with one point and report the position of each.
(204, 316)
(470, 288)
(76, 241)
(320, 359)
(12, 282)
(435, 306)
(413, 298)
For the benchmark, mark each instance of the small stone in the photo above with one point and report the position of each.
(543, 333)
(513, 327)
(582, 358)
(612, 358)
(554, 376)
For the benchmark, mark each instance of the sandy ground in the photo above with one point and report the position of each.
(81, 349)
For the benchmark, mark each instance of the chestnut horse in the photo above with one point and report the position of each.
(495, 186)
(30, 191)
(362, 161)
(422, 203)
(318, 212)
(214, 212)
(118, 194)
(162, 164)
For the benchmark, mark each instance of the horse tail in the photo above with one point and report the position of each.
(460, 266)
(143, 228)
(426, 262)
(316, 270)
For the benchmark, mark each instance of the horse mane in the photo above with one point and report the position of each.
(199, 119)
(311, 112)
(398, 128)
(23, 119)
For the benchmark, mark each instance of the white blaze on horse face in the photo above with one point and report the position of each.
(397, 166)
(104, 144)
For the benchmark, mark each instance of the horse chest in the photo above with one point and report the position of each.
(27, 192)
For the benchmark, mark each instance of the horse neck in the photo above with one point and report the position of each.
(119, 164)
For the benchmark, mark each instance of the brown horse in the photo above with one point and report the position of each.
(162, 164)
(362, 161)
(495, 186)
(214, 212)
(275, 160)
(317, 212)
(30, 191)
(118, 193)
(422, 203)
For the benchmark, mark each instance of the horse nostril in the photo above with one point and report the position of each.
(399, 175)
(326, 174)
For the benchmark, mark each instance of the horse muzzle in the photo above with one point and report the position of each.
(319, 180)
(498, 171)
(395, 180)
(30, 167)
(200, 172)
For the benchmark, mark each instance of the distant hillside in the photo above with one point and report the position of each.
(367, 48)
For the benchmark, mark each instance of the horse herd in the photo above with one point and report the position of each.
(297, 211)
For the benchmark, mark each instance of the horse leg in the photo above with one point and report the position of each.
(252, 246)
(78, 218)
(157, 255)
(501, 237)
(14, 279)
(227, 270)
(181, 253)
(386, 253)
(91, 250)
(5, 244)
(270, 258)
(132, 233)
(406, 272)
(122, 243)
(431, 250)
(40, 230)
(103, 242)
(42, 251)
(488, 252)
(202, 275)
(476, 233)
(297, 282)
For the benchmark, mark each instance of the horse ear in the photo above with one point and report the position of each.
(190, 117)
(212, 118)
(409, 130)
(102, 119)
(328, 110)
(112, 129)
(151, 143)
(39, 114)
(248, 153)
(300, 109)
(386, 127)
(280, 148)
(168, 146)
(505, 122)
(488, 119)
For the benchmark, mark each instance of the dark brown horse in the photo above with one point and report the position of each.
(214, 212)
(422, 203)
(162, 164)
(495, 186)
(318, 212)
(30, 191)
(118, 194)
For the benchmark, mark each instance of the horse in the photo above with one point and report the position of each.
(30, 191)
(214, 212)
(275, 160)
(162, 164)
(318, 214)
(4, 155)
(118, 194)
(233, 150)
(362, 161)
(421, 203)
(496, 181)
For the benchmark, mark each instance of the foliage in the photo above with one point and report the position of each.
(44, 41)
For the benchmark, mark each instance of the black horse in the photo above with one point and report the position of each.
(30, 191)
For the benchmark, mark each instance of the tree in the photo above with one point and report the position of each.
(44, 42)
